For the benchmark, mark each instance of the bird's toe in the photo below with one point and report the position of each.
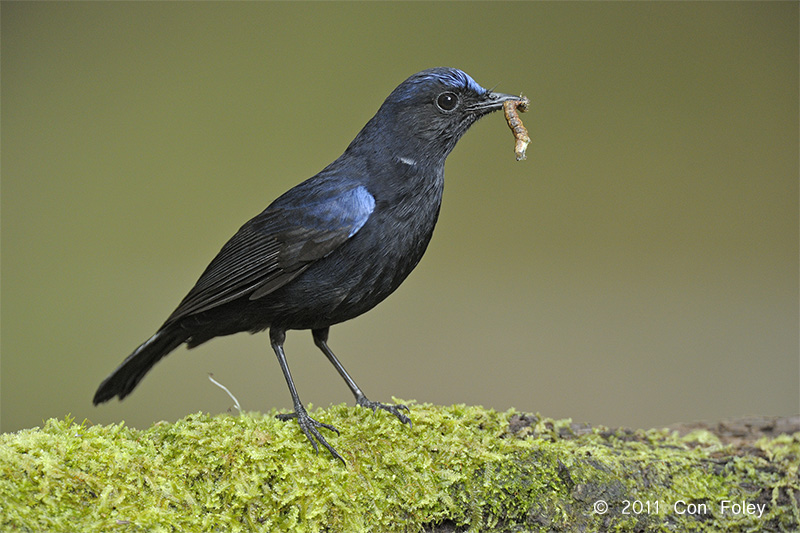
(395, 409)
(309, 428)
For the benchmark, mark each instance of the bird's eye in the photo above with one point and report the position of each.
(447, 101)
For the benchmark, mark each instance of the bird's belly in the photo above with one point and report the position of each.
(350, 281)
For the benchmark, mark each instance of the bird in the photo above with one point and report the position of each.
(332, 247)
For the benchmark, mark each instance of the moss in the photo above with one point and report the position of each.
(461, 466)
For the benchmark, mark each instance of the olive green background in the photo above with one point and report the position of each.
(640, 268)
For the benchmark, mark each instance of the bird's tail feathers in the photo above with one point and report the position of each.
(127, 375)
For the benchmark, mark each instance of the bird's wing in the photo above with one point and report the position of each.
(278, 245)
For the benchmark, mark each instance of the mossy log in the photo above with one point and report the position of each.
(458, 468)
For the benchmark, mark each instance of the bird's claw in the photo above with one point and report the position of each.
(309, 427)
(391, 408)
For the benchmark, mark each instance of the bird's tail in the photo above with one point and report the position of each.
(127, 375)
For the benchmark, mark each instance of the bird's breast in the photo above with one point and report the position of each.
(369, 266)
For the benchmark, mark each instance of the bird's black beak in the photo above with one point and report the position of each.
(493, 101)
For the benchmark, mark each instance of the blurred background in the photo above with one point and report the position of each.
(639, 269)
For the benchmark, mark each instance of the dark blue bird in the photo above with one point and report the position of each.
(334, 246)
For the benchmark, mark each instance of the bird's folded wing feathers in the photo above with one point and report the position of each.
(278, 245)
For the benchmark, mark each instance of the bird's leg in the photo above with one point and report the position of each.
(321, 340)
(307, 424)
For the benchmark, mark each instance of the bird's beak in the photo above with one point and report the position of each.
(493, 101)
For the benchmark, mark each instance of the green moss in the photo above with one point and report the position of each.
(460, 465)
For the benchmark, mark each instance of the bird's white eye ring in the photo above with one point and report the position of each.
(447, 101)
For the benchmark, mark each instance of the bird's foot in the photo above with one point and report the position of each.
(391, 408)
(309, 427)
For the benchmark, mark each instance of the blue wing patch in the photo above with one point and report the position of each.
(360, 204)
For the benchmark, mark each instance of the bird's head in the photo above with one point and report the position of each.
(427, 114)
